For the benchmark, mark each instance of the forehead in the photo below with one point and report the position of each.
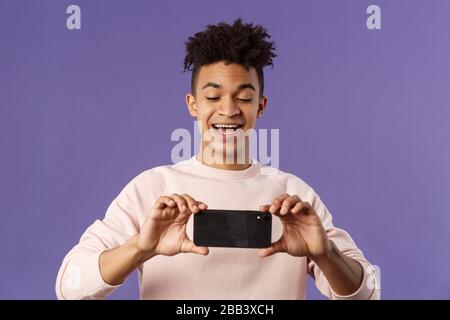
(228, 76)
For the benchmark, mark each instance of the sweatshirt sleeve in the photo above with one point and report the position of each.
(369, 288)
(79, 276)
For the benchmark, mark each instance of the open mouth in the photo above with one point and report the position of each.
(226, 129)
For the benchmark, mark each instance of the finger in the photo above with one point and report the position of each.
(278, 246)
(189, 247)
(191, 203)
(264, 208)
(288, 203)
(276, 203)
(202, 206)
(181, 203)
(300, 206)
(164, 201)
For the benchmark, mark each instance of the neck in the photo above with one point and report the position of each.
(241, 156)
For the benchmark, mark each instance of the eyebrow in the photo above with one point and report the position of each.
(218, 86)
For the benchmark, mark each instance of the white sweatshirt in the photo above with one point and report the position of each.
(226, 273)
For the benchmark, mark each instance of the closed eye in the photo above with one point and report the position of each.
(244, 100)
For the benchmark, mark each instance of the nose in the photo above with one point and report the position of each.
(229, 108)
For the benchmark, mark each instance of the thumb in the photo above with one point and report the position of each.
(278, 246)
(189, 247)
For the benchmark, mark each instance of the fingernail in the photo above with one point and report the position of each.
(183, 208)
(272, 209)
(283, 210)
(195, 208)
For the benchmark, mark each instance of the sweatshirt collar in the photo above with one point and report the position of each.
(224, 174)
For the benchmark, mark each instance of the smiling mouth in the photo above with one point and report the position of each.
(226, 129)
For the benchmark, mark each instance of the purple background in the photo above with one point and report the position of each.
(363, 117)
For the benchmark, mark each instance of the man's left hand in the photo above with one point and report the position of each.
(303, 232)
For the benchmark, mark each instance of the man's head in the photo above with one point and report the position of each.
(241, 43)
(227, 83)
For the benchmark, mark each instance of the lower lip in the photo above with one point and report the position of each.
(225, 132)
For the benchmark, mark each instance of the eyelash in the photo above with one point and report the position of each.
(217, 99)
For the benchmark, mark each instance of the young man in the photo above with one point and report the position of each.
(148, 226)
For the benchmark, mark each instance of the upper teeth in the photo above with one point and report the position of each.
(227, 126)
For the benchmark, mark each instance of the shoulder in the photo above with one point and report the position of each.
(155, 174)
(294, 185)
(149, 183)
(155, 178)
(291, 183)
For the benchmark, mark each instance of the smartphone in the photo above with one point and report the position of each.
(233, 228)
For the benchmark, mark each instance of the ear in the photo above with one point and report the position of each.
(261, 106)
(191, 104)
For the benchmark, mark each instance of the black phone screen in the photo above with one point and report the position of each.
(233, 228)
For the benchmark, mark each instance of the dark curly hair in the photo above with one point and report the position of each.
(241, 43)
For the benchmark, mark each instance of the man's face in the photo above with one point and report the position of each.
(226, 100)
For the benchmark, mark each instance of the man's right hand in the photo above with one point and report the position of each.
(164, 231)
